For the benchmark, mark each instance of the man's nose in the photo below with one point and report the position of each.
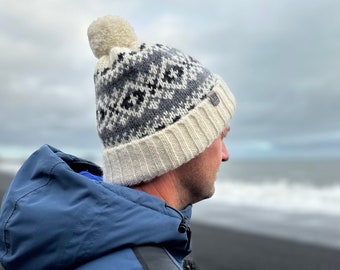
(225, 154)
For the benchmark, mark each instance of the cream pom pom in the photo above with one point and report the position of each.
(108, 32)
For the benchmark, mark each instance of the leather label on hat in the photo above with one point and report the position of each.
(213, 98)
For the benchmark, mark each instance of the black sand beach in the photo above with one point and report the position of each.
(5, 180)
(218, 248)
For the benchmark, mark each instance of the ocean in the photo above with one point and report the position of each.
(297, 200)
(291, 199)
(291, 185)
(311, 186)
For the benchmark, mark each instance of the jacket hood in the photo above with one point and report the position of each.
(53, 217)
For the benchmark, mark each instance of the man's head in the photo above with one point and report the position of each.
(157, 108)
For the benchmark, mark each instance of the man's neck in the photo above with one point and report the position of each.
(166, 188)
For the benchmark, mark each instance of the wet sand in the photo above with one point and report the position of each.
(218, 248)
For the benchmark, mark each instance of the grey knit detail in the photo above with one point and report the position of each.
(147, 90)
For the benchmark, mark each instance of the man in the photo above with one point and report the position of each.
(162, 118)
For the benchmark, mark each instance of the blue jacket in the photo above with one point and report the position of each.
(53, 217)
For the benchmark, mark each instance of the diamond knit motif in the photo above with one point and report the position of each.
(146, 90)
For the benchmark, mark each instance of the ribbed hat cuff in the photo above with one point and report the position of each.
(144, 159)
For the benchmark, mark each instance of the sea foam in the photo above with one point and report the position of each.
(280, 195)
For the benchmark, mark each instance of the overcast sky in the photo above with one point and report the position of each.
(279, 57)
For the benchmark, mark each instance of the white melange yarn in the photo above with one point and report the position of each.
(108, 32)
(157, 108)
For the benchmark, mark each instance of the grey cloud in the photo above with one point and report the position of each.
(280, 58)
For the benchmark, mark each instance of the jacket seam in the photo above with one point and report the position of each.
(5, 235)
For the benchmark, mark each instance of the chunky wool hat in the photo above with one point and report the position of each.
(157, 108)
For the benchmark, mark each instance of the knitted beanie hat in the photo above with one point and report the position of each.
(156, 107)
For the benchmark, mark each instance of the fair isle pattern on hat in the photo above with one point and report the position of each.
(147, 90)
(157, 108)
